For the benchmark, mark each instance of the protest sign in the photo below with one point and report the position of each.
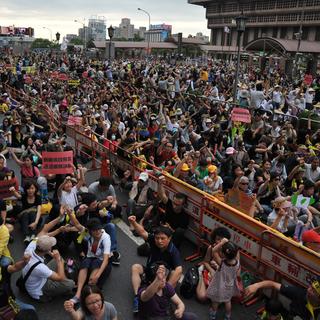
(74, 83)
(5, 185)
(240, 115)
(57, 162)
(240, 200)
(63, 77)
(74, 121)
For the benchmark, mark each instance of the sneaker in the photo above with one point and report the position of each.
(75, 300)
(135, 306)
(27, 239)
(115, 258)
(212, 315)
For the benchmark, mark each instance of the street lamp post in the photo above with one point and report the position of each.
(241, 26)
(147, 13)
(49, 31)
(85, 33)
(110, 34)
(58, 37)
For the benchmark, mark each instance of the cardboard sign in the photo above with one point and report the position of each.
(5, 185)
(74, 121)
(240, 115)
(74, 83)
(240, 200)
(57, 162)
(63, 77)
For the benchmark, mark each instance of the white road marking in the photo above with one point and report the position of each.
(126, 230)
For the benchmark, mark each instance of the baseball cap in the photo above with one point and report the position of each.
(185, 167)
(212, 168)
(230, 150)
(45, 243)
(311, 236)
(144, 176)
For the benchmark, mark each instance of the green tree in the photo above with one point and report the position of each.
(76, 41)
(41, 43)
(136, 37)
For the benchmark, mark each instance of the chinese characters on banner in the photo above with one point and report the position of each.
(286, 266)
(74, 121)
(240, 115)
(57, 162)
(5, 185)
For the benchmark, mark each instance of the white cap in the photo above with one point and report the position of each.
(144, 176)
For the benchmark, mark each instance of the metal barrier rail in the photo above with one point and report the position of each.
(280, 256)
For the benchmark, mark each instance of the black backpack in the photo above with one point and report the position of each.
(189, 284)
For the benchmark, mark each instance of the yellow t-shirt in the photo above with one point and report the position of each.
(4, 240)
(4, 108)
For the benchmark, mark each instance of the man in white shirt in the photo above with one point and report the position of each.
(309, 97)
(44, 283)
(276, 97)
(312, 170)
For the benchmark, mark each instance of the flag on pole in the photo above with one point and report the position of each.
(226, 29)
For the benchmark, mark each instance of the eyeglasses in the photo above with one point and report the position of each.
(93, 302)
(244, 183)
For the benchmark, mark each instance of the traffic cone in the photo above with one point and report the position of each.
(105, 167)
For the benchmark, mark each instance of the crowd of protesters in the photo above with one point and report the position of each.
(174, 117)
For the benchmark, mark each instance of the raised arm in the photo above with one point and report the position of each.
(162, 194)
(16, 159)
(138, 228)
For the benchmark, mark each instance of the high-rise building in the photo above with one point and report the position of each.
(158, 32)
(125, 30)
(282, 19)
(97, 28)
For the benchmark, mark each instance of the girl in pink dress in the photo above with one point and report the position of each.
(223, 285)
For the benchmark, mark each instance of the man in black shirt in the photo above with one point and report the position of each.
(175, 218)
(161, 249)
(305, 303)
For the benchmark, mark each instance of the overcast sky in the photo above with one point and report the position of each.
(59, 15)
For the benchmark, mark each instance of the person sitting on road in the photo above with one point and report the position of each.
(305, 303)
(175, 217)
(5, 256)
(92, 306)
(161, 249)
(104, 190)
(67, 193)
(7, 296)
(159, 300)
(140, 196)
(44, 283)
(91, 208)
(96, 263)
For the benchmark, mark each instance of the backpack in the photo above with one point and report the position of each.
(189, 283)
